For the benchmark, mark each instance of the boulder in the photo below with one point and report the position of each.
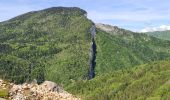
(52, 86)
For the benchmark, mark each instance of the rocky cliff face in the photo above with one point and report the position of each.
(113, 30)
(107, 28)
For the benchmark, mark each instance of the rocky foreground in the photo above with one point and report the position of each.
(45, 91)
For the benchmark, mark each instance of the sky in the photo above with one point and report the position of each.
(135, 15)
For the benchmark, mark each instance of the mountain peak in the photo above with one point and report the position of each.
(65, 10)
(53, 11)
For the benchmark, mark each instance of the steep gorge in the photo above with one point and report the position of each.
(92, 58)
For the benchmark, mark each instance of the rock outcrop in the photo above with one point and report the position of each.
(113, 30)
(45, 91)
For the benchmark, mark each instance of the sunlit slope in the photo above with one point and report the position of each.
(145, 82)
(120, 49)
(51, 44)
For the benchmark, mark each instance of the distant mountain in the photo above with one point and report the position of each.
(165, 35)
(62, 45)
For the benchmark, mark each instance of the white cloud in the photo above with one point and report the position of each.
(160, 28)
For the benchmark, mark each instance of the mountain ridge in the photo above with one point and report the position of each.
(59, 10)
(36, 38)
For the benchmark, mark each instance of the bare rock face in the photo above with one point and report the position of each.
(113, 30)
(45, 91)
(107, 28)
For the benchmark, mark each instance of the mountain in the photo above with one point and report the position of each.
(50, 44)
(60, 44)
(165, 35)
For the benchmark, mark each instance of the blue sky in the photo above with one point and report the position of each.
(134, 15)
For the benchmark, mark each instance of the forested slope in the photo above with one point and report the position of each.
(119, 48)
(51, 44)
(145, 82)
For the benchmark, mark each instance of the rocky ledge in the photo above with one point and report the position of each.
(45, 91)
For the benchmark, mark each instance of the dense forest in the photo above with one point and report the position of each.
(149, 81)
